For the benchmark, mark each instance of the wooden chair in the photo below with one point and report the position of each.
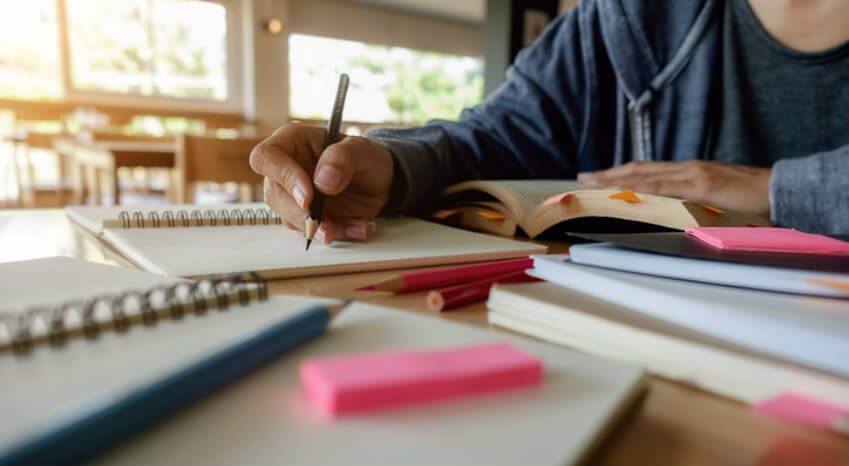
(200, 158)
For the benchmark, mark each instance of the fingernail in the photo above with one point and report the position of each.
(587, 179)
(319, 235)
(356, 231)
(328, 177)
(300, 196)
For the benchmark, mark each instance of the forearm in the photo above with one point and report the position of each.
(812, 193)
(425, 162)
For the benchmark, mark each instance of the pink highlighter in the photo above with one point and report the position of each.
(367, 382)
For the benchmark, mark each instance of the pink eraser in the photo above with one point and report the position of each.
(365, 382)
(768, 240)
(798, 408)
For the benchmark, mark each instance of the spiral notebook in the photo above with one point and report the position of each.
(96, 218)
(91, 353)
(193, 241)
(267, 419)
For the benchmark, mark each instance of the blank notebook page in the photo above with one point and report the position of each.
(276, 252)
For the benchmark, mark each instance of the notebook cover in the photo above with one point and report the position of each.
(57, 399)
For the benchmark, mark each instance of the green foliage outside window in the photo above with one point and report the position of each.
(389, 84)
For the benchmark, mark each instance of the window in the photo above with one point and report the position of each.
(29, 56)
(175, 49)
(169, 48)
(388, 84)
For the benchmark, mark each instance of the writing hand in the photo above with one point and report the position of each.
(355, 173)
(718, 184)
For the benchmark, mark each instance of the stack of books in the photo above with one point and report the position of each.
(757, 323)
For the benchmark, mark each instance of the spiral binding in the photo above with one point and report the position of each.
(199, 217)
(124, 309)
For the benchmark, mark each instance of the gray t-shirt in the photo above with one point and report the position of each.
(777, 103)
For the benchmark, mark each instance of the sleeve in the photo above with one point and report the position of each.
(528, 128)
(812, 193)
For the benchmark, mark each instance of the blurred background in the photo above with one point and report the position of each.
(156, 101)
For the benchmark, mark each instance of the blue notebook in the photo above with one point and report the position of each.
(83, 375)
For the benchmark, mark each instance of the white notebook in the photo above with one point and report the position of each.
(192, 241)
(587, 323)
(806, 330)
(274, 251)
(48, 383)
(266, 418)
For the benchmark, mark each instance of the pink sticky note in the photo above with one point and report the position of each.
(562, 197)
(365, 382)
(804, 410)
(443, 214)
(768, 240)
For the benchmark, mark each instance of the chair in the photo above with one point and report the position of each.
(200, 158)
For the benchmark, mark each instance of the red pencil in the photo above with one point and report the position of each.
(430, 279)
(456, 296)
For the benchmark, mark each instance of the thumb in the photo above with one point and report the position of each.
(334, 170)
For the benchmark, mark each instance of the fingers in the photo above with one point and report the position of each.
(331, 229)
(280, 201)
(335, 167)
(630, 170)
(681, 189)
(692, 180)
(286, 157)
(350, 229)
(358, 229)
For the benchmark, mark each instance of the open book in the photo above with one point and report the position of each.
(504, 207)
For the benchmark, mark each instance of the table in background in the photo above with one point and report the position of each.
(675, 424)
(91, 159)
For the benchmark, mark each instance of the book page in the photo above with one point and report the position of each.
(277, 252)
(520, 196)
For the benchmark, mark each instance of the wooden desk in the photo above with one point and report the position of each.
(674, 425)
(92, 159)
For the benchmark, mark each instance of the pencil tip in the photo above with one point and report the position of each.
(309, 241)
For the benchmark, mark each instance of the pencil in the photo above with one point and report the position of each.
(453, 297)
(430, 279)
(313, 220)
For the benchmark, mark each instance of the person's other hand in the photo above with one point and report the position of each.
(723, 185)
(355, 173)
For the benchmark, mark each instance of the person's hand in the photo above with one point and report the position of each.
(355, 174)
(723, 185)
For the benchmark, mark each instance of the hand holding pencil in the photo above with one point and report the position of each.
(354, 173)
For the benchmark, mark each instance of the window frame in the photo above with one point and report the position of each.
(235, 64)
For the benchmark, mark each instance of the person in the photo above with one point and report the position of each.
(739, 104)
